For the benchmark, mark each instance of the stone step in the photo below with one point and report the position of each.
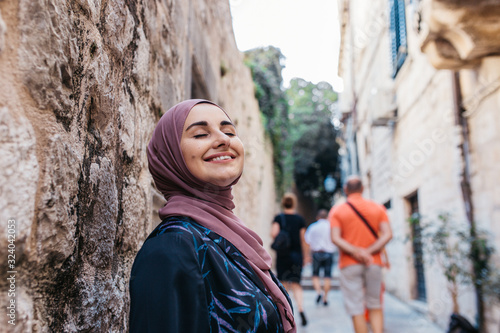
(306, 283)
(306, 280)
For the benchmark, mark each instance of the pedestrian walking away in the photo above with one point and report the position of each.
(361, 229)
(290, 260)
(202, 270)
(324, 252)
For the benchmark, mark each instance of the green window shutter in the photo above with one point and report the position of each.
(398, 36)
(393, 31)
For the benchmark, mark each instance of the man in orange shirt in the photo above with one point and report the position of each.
(360, 261)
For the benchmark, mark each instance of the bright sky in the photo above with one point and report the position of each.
(306, 32)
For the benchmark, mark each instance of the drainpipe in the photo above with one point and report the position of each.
(465, 182)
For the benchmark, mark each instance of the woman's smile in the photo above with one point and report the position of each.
(220, 157)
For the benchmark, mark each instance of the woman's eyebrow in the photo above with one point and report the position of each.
(226, 122)
(198, 123)
(204, 123)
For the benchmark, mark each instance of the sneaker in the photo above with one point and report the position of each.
(304, 319)
(325, 303)
(318, 299)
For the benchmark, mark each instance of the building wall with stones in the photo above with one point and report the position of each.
(408, 143)
(82, 84)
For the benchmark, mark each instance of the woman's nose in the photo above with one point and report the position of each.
(221, 139)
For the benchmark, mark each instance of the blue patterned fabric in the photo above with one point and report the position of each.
(196, 281)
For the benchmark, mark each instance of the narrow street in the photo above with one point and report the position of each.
(399, 317)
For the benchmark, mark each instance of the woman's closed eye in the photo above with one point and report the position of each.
(198, 136)
(228, 130)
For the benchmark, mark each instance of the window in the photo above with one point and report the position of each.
(397, 31)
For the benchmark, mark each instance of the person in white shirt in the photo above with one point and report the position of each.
(323, 253)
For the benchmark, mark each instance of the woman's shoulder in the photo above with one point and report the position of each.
(177, 225)
(173, 234)
(172, 246)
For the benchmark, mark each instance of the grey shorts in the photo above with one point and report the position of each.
(360, 286)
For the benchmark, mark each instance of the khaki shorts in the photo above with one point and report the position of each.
(361, 285)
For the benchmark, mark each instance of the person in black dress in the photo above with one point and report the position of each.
(201, 269)
(289, 263)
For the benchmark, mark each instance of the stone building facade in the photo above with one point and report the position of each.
(422, 128)
(82, 84)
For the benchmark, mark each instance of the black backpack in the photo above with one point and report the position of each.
(282, 241)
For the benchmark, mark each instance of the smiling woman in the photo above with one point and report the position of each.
(212, 151)
(202, 269)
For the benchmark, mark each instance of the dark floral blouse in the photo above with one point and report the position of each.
(188, 279)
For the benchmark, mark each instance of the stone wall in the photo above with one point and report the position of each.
(82, 84)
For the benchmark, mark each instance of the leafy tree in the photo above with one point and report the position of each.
(298, 121)
(309, 105)
(315, 157)
(313, 138)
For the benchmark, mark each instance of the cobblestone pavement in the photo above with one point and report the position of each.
(399, 317)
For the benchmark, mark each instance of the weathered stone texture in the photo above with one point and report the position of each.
(3, 28)
(82, 84)
(457, 34)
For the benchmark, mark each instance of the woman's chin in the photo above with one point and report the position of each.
(223, 183)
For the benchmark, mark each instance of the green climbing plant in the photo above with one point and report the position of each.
(266, 65)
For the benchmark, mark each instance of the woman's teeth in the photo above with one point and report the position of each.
(220, 158)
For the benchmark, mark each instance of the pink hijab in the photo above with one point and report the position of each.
(209, 205)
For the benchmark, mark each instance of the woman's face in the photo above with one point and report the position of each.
(212, 150)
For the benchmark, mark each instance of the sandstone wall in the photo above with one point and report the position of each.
(82, 84)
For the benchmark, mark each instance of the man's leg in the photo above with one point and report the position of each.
(327, 268)
(315, 276)
(359, 323)
(317, 287)
(326, 288)
(373, 280)
(351, 285)
(376, 320)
